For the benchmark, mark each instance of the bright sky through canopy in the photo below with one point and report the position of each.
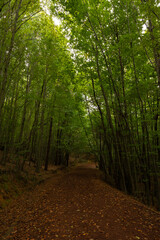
(45, 6)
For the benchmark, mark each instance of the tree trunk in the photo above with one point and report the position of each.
(48, 145)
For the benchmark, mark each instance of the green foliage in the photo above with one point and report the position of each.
(96, 78)
(117, 52)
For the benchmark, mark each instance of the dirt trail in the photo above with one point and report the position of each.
(78, 205)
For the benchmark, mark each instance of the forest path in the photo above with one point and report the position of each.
(78, 205)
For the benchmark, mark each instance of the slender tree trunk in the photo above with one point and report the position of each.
(48, 145)
(8, 57)
(25, 106)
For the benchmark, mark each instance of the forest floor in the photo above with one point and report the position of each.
(78, 204)
(14, 182)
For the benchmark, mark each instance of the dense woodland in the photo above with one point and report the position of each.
(90, 85)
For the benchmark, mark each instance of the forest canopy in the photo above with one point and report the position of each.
(88, 85)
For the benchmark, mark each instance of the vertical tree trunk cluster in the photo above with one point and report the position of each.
(118, 53)
(36, 100)
(103, 94)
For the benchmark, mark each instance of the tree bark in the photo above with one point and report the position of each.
(48, 145)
